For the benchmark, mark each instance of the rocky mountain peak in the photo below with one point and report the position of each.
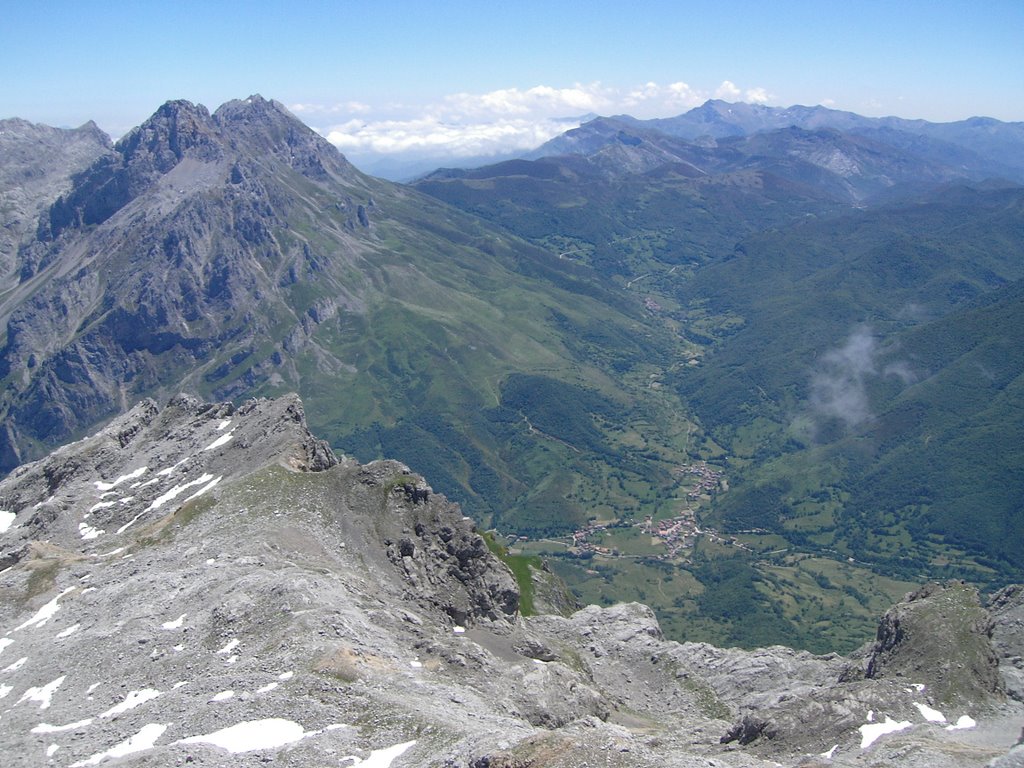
(174, 129)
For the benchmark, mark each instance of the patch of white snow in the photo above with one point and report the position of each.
(6, 520)
(102, 505)
(828, 755)
(4, 642)
(929, 714)
(88, 533)
(382, 758)
(47, 728)
(131, 701)
(225, 423)
(5, 689)
(870, 732)
(286, 676)
(250, 735)
(222, 440)
(267, 688)
(232, 644)
(141, 741)
(16, 665)
(223, 696)
(963, 723)
(44, 694)
(169, 470)
(45, 613)
(68, 632)
(176, 624)
(204, 489)
(52, 750)
(159, 501)
(102, 486)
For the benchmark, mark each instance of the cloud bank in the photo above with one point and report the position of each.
(839, 383)
(501, 121)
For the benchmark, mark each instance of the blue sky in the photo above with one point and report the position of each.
(469, 77)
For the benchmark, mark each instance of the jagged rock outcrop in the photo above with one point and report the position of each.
(1006, 608)
(940, 636)
(209, 584)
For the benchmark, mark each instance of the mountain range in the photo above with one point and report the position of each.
(846, 291)
(758, 368)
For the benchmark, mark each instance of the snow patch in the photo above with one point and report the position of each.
(44, 694)
(6, 520)
(223, 696)
(16, 665)
(4, 642)
(45, 613)
(102, 486)
(176, 624)
(47, 728)
(5, 689)
(251, 735)
(267, 688)
(159, 501)
(286, 676)
(870, 732)
(222, 440)
(929, 714)
(52, 749)
(141, 741)
(232, 644)
(169, 470)
(68, 632)
(102, 505)
(963, 723)
(828, 755)
(204, 489)
(382, 758)
(131, 701)
(225, 423)
(88, 533)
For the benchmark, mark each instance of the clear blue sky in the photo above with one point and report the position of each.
(393, 62)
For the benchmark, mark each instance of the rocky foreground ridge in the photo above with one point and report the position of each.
(210, 585)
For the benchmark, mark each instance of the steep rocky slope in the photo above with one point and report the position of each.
(37, 163)
(210, 584)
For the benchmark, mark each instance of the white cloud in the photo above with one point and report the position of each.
(728, 91)
(541, 99)
(757, 96)
(346, 107)
(428, 134)
(499, 121)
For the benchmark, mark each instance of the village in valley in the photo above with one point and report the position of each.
(664, 538)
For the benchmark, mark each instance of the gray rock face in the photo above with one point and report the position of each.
(940, 636)
(1007, 611)
(37, 164)
(152, 259)
(209, 584)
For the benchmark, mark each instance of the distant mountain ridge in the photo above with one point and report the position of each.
(974, 148)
